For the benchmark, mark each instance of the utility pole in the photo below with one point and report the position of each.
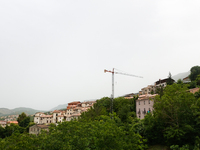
(112, 96)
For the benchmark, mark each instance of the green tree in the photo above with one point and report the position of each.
(194, 72)
(192, 84)
(175, 110)
(179, 81)
(23, 120)
(197, 94)
(21, 117)
(198, 80)
(170, 81)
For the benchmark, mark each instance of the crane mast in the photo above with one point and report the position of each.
(112, 96)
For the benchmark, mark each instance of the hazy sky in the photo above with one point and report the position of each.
(55, 52)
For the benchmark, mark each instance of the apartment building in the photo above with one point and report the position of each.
(144, 105)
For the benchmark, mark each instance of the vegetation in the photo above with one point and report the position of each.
(173, 124)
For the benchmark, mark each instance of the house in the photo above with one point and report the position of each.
(148, 90)
(3, 123)
(162, 82)
(186, 80)
(37, 119)
(36, 129)
(144, 105)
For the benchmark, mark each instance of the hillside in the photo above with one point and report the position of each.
(19, 110)
(5, 111)
(181, 75)
(62, 106)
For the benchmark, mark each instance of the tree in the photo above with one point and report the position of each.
(194, 72)
(198, 80)
(179, 81)
(175, 110)
(21, 117)
(23, 120)
(170, 81)
(192, 84)
(159, 90)
(197, 94)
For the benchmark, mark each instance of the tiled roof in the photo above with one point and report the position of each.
(42, 126)
(15, 122)
(56, 111)
(146, 96)
(194, 90)
(75, 115)
(45, 116)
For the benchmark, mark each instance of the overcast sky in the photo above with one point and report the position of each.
(55, 52)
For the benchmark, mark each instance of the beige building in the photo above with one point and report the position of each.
(36, 129)
(186, 80)
(3, 123)
(73, 111)
(144, 105)
(148, 90)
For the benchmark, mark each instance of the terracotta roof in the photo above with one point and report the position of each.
(45, 116)
(56, 111)
(146, 96)
(74, 103)
(194, 90)
(60, 115)
(76, 115)
(42, 126)
(15, 122)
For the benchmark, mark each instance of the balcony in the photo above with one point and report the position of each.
(144, 112)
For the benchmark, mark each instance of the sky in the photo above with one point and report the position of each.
(54, 52)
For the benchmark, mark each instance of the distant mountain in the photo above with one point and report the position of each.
(181, 75)
(17, 111)
(5, 111)
(62, 106)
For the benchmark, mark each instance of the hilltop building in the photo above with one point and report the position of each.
(73, 111)
(144, 105)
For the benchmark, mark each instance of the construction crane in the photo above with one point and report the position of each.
(114, 72)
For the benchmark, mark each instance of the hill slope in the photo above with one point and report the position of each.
(17, 111)
(181, 75)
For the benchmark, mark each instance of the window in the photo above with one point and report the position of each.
(47, 121)
(139, 102)
(149, 101)
(144, 102)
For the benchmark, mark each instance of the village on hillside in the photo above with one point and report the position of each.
(144, 105)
